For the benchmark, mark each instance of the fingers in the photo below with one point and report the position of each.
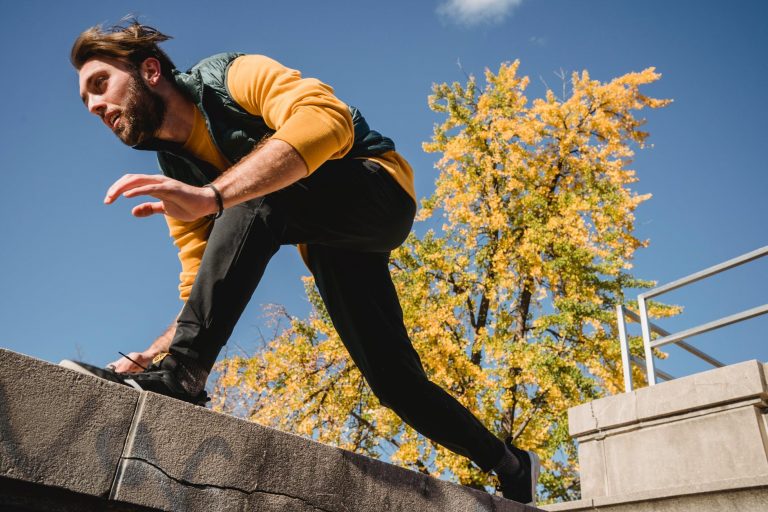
(147, 209)
(179, 200)
(132, 181)
(153, 189)
(119, 365)
(123, 365)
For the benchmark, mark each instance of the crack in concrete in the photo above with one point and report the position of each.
(599, 438)
(127, 445)
(195, 485)
(592, 411)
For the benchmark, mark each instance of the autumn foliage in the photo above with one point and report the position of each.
(510, 303)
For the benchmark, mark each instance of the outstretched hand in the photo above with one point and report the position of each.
(177, 199)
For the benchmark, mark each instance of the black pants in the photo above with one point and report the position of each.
(351, 214)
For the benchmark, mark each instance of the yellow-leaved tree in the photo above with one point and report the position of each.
(511, 304)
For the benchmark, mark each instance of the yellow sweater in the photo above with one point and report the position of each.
(303, 112)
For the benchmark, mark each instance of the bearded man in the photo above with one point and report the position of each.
(254, 156)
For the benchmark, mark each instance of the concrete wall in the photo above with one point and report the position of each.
(698, 443)
(87, 444)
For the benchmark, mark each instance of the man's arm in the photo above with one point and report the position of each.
(311, 126)
(271, 167)
(161, 344)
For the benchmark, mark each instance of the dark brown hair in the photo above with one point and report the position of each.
(131, 42)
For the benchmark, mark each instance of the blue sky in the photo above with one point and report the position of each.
(80, 279)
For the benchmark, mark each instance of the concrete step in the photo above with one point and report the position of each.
(88, 444)
(737, 495)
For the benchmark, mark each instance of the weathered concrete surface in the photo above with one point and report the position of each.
(60, 428)
(92, 440)
(698, 443)
(216, 462)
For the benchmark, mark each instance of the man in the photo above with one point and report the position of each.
(253, 157)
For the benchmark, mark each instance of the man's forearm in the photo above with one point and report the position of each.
(270, 167)
(163, 342)
(139, 361)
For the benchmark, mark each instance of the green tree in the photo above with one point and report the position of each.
(510, 304)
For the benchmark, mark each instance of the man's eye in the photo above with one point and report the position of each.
(101, 81)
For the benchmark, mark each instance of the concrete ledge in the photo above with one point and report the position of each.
(63, 432)
(721, 386)
(60, 428)
(570, 506)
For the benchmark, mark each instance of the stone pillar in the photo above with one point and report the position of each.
(692, 444)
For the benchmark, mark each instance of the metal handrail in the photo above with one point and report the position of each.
(627, 358)
(677, 338)
(661, 373)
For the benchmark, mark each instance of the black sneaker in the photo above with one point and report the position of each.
(159, 377)
(88, 369)
(521, 487)
(165, 376)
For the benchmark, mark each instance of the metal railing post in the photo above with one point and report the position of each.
(649, 366)
(625, 361)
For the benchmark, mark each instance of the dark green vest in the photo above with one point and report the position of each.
(234, 131)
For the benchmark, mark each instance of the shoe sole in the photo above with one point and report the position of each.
(101, 373)
(72, 365)
(87, 369)
(535, 470)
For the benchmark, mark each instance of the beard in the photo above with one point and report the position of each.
(142, 115)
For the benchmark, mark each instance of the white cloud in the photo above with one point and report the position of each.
(474, 12)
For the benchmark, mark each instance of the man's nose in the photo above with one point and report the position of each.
(96, 105)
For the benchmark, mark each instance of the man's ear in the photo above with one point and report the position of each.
(151, 71)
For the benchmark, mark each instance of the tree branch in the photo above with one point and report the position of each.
(537, 402)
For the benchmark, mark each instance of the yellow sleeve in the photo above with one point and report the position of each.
(303, 111)
(191, 239)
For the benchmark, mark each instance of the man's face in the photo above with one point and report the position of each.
(116, 92)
